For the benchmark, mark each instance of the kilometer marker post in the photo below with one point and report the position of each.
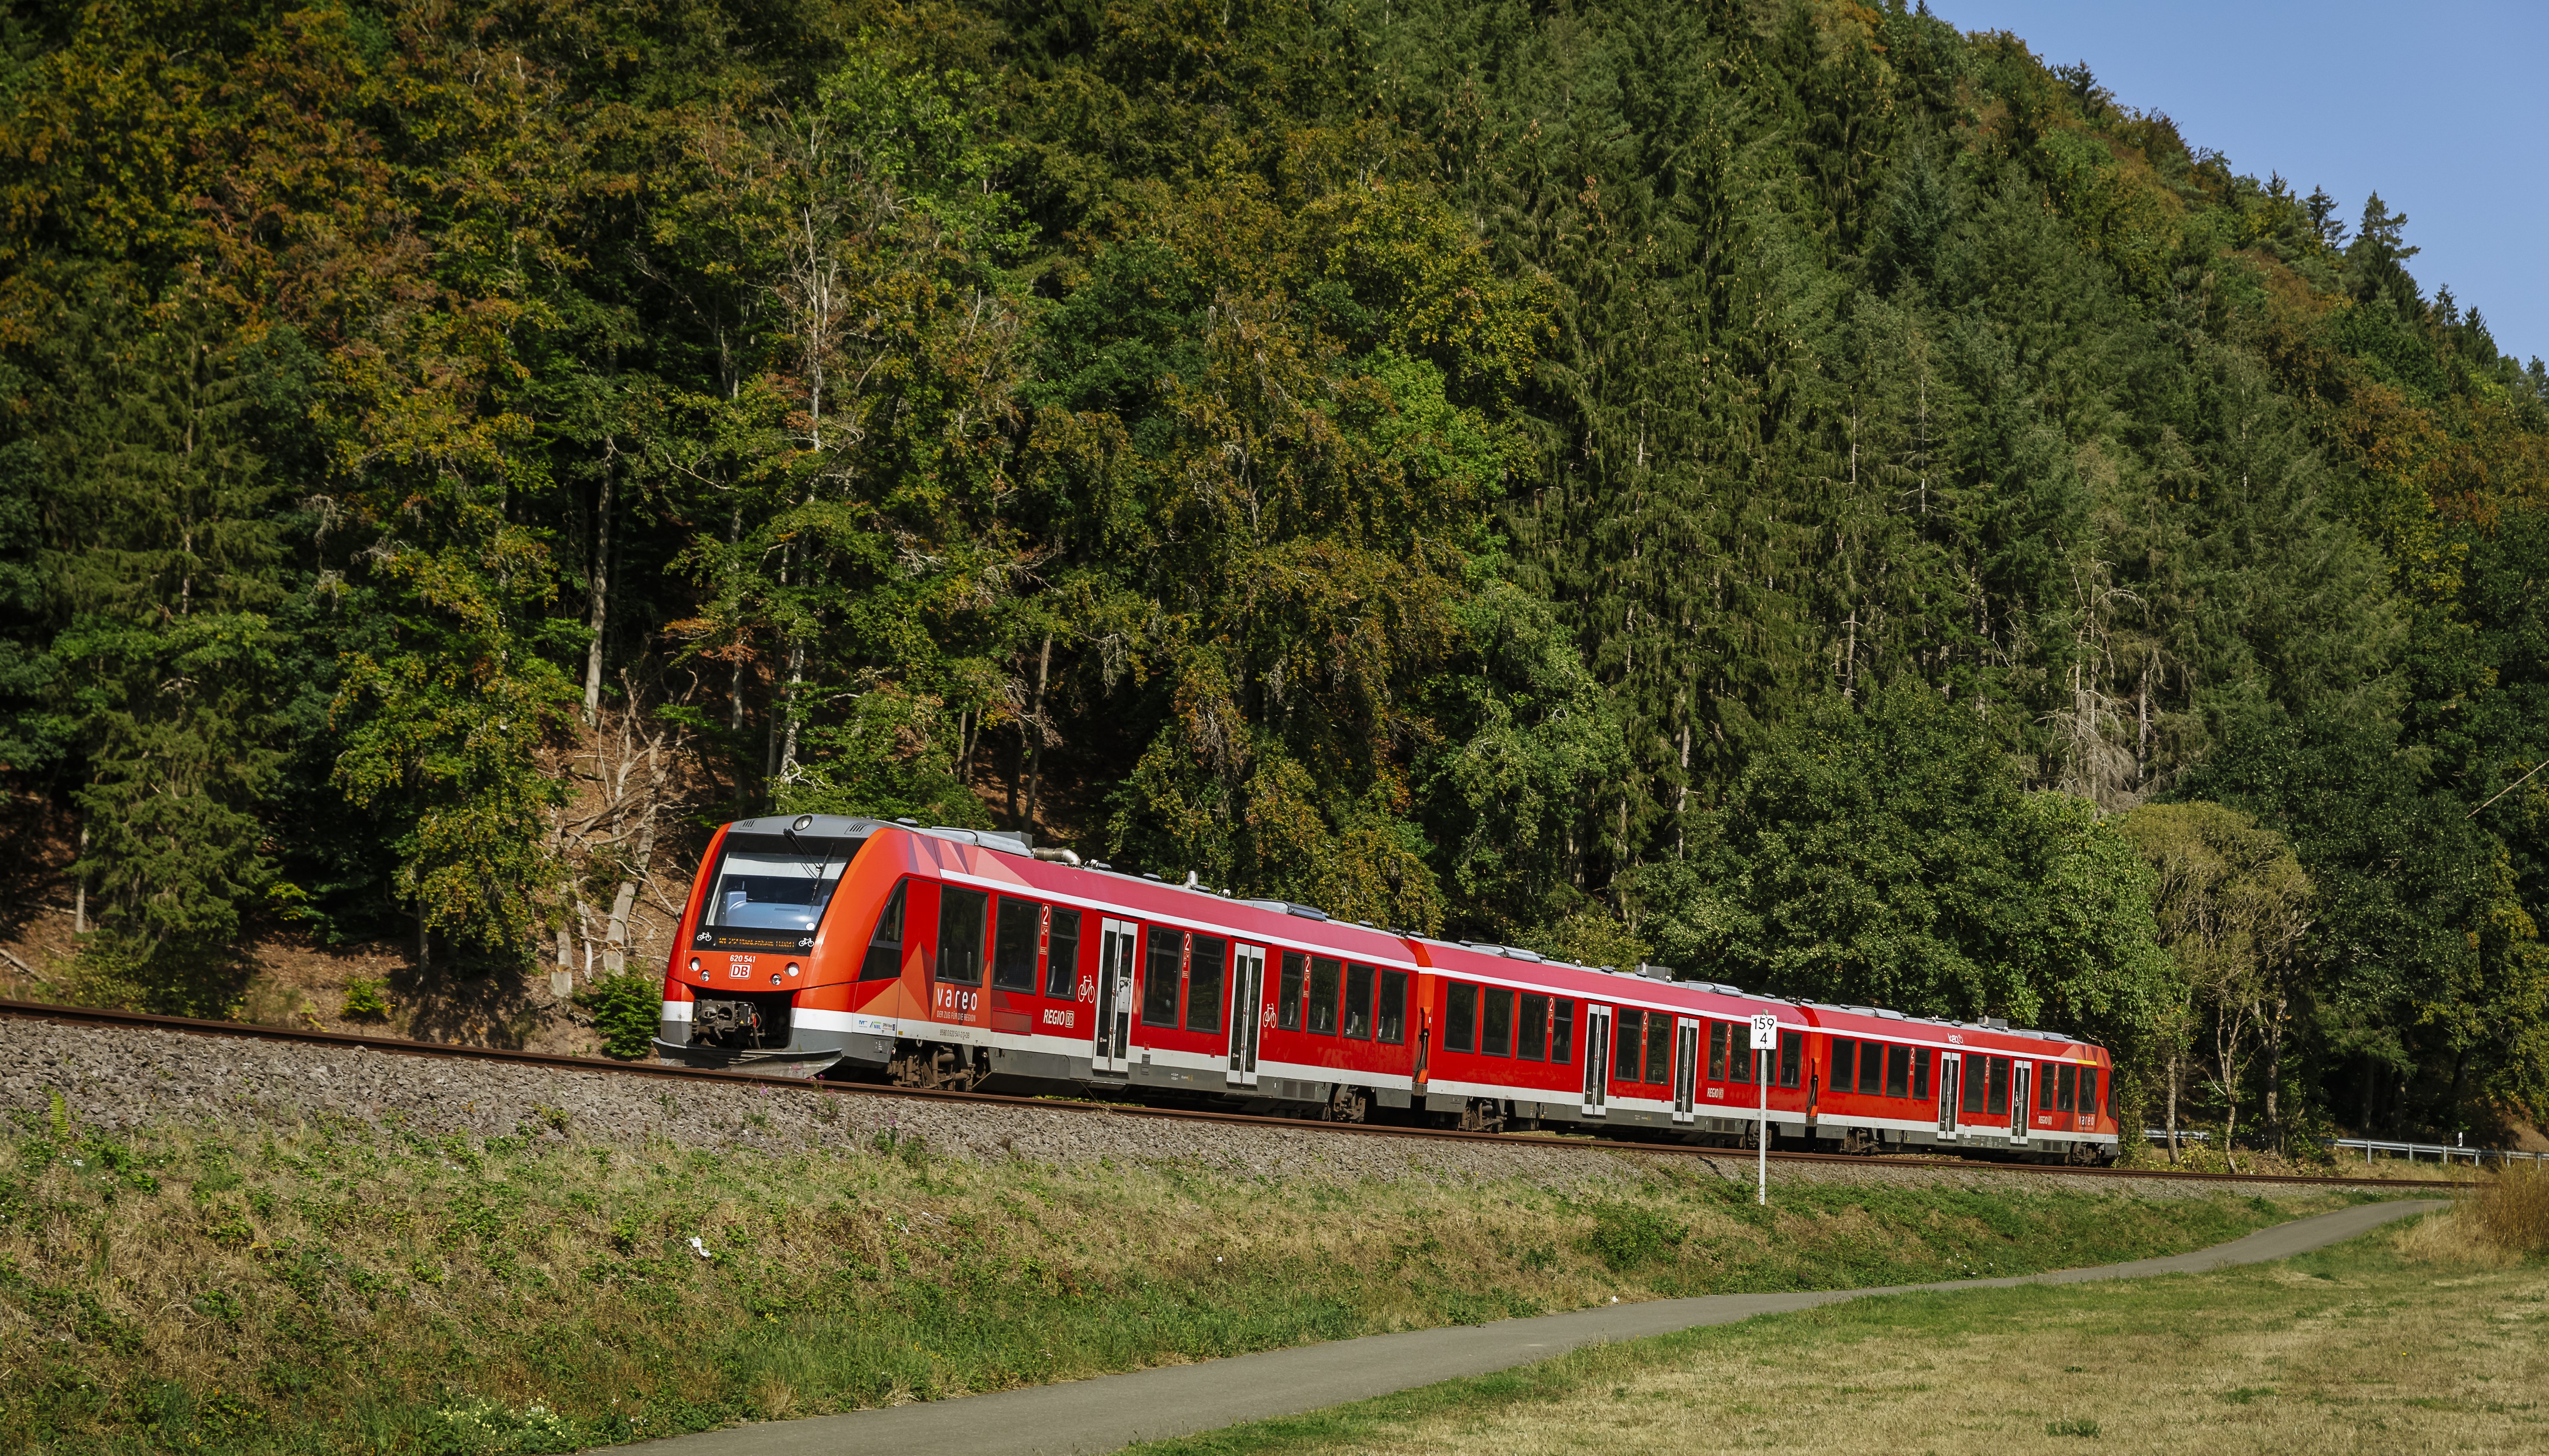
(1765, 1039)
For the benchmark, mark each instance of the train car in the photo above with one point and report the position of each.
(959, 958)
(1525, 1040)
(825, 945)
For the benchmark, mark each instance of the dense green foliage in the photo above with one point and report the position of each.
(1756, 484)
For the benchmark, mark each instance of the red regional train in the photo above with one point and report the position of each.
(965, 959)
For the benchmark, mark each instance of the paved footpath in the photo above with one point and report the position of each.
(1114, 1410)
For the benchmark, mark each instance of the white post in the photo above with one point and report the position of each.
(1763, 1195)
(1765, 1039)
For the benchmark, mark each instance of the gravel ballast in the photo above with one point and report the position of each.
(125, 1078)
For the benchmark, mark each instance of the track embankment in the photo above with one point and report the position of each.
(119, 1070)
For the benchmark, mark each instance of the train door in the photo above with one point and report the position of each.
(1685, 1069)
(1114, 997)
(1597, 1060)
(2020, 1110)
(1952, 1069)
(1246, 1013)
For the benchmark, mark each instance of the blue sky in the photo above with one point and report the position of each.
(2439, 107)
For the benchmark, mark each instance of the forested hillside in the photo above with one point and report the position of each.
(1785, 490)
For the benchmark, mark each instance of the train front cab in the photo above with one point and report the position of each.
(765, 977)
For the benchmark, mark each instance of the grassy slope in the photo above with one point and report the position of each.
(354, 1291)
(2415, 1340)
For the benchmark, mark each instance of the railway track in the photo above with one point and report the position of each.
(393, 1045)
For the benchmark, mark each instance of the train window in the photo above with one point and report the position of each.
(1160, 978)
(1358, 1018)
(1871, 1068)
(1324, 975)
(1530, 1038)
(960, 935)
(1792, 1056)
(1461, 1018)
(2069, 1077)
(1844, 1064)
(1014, 945)
(884, 947)
(1659, 1029)
(1061, 955)
(1999, 1103)
(2044, 1086)
(1970, 1098)
(1921, 1073)
(768, 882)
(1628, 1039)
(1716, 1050)
(2089, 1090)
(1287, 991)
(1898, 1071)
(1739, 1055)
(1495, 1029)
(1390, 1019)
(1561, 1030)
(1211, 957)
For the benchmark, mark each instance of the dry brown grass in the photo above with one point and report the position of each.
(2403, 1346)
(2512, 1212)
(2453, 1239)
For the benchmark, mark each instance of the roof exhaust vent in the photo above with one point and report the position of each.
(1655, 972)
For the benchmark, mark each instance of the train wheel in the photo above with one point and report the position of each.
(1346, 1105)
(928, 1065)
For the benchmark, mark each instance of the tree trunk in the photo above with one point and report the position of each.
(79, 888)
(615, 935)
(2275, 1073)
(2175, 1065)
(795, 681)
(2371, 1090)
(1035, 750)
(735, 674)
(597, 602)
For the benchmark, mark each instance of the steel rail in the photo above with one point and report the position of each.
(401, 1046)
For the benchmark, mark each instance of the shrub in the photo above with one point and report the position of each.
(366, 1000)
(624, 1008)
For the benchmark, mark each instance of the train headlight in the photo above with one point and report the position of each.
(774, 977)
(792, 968)
(695, 965)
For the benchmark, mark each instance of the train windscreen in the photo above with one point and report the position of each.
(769, 891)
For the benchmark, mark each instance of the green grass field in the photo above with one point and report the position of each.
(2414, 1340)
(346, 1290)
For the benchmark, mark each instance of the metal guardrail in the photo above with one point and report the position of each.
(2412, 1150)
(2368, 1147)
